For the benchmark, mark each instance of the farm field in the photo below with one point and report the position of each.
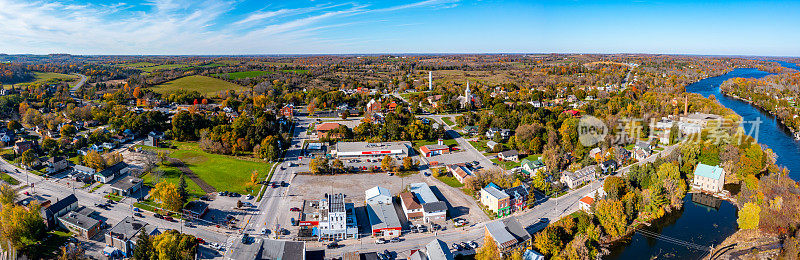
(205, 85)
(45, 76)
(243, 74)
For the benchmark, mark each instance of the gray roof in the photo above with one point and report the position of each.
(423, 192)
(517, 192)
(383, 216)
(436, 146)
(495, 192)
(63, 203)
(281, 249)
(79, 220)
(507, 230)
(434, 206)
(127, 228)
(438, 250)
(82, 168)
(126, 183)
(365, 146)
(509, 153)
(113, 169)
(196, 206)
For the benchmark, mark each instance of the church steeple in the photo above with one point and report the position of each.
(467, 93)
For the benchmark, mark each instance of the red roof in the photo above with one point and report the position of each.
(588, 200)
(573, 112)
(327, 126)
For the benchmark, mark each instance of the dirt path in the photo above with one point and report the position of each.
(178, 164)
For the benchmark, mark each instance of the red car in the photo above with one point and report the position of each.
(201, 241)
(294, 209)
(168, 218)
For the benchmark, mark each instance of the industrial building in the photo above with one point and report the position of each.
(370, 150)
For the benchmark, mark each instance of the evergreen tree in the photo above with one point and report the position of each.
(182, 189)
(144, 247)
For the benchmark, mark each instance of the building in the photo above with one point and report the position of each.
(700, 119)
(609, 166)
(532, 255)
(708, 178)
(123, 235)
(433, 210)
(492, 132)
(383, 220)
(153, 139)
(471, 130)
(518, 197)
(508, 233)
(110, 173)
(510, 155)
(126, 186)
(491, 145)
(411, 207)
(59, 208)
(82, 225)
(287, 111)
(434, 149)
(496, 200)
(579, 177)
(325, 128)
(337, 220)
(460, 172)
(258, 248)
(374, 106)
(642, 150)
(21, 147)
(586, 202)
(195, 208)
(596, 154)
(531, 168)
(371, 150)
(316, 149)
(55, 164)
(435, 250)
(378, 195)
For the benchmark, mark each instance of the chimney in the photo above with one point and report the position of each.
(686, 105)
(430, 80)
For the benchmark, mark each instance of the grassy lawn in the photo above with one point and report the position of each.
(225, 173)
(508, 165)
(480, 145)
(243, 74)
(173, 176)
(451, 181)
(50, 247)
(296, 71)
(448, 121)
(205, 85)
(8, 179)
(96, 187)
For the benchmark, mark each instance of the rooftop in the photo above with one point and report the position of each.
(377, 191)
(79, 220)
(494, 192)
(126, 183)
(327, 126)
(127, 228)
(708, 171)
(438, 250)
(434, 206)
(365, 147)
(409, 201)
(507, 232)
(423, 192)
(383, 216)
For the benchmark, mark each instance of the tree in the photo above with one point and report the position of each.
(337, 165)
(144, 247)
(8, 195)
(548, 241)
(408, 163)
(29, 158)
(174, 245)
(94, 160)
(489, 250)
(14, 125)
(318, 165)
(749, 216)
(167, 195)
(387, 163)
(611, 215)
(68, 130)
(50, 145)
(20, 227)
(182, 186)
(614, 187)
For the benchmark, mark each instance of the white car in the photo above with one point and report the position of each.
(214, 245)
(264, 231)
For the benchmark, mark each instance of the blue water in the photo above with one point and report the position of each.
(708, 226)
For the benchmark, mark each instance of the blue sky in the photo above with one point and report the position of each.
(413, 26)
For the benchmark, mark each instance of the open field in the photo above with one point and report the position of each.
(205, 85)
(150, 67)
(441, 77)
(173, 176)
(225, 173)
(42, 77)
(243, 74)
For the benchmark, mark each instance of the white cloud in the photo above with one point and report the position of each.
(172, 27)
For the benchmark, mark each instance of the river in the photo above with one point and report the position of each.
(698, 223)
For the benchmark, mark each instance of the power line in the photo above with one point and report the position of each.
(672, 240)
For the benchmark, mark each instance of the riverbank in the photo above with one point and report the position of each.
(754, 243)
(795, 132)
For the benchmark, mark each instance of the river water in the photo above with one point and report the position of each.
(705, 221)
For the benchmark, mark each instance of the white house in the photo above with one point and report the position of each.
(709, 178)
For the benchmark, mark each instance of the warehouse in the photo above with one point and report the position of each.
(371, 150)
(384, 220)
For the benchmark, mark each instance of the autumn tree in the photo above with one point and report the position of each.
(408, 163)
(614, 186)
(318, 165)
(94, 160)
(489, 250)
(749, 216)
(548, 241)
(174, 245)
(337, 165)
(611, 215)
(167, 195)
(387, 163)
(29, 158)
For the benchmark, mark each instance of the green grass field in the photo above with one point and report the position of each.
(225, 173)
(205, 85)
(173, 176)
(448, 142)
(450, 181)
(8, 179)
(42, 77)
(507, 165)
(243, 74)
(448, 121)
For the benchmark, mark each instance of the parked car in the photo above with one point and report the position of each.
(168, 218)
(137, 210)
(156, 215)
(294, 209)
(332, 245)
(395, 240)
(473, 244)
(380, 241)
(138, 214)
(264, 231)
(456, 247)
(465, 246)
